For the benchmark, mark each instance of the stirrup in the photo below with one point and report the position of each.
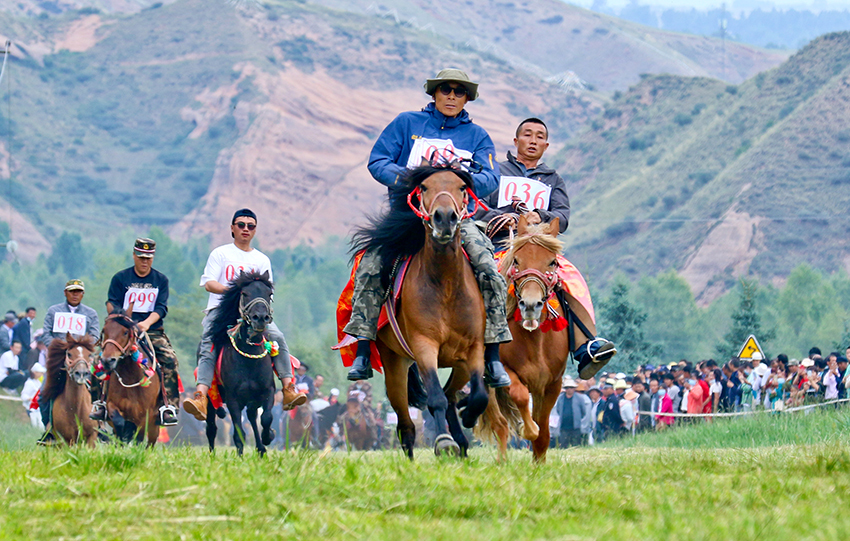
(601, 356)
(168, 409)
(98, 411)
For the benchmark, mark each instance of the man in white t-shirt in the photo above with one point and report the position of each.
(10, 375)
(223, 265)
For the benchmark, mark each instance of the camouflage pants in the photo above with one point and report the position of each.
(167, 360)
(369, 293)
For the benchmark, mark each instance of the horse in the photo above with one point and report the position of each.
(441, 312)
(66, 382)
(357, 425)
(132, 388)
(245, 364)
(535, 360)
(301, 427)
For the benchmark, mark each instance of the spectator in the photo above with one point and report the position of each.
(318, 381)
(831, 378)
(627, 410)
(644, 403)
(586, 420)
(842, 372)
(37, 354)
(612, 421)
(302, 378)
(31, 387)
(672, 391)
(664, 421)
(7, 331)
(571, 409)
(696, 396)
(23, 331)
(715, 389)
(10, 375)
(595, 395)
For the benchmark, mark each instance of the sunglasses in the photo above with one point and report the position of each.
(446, 89)
(243, 225)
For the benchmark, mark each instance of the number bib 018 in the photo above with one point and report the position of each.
(142, 299)
(66, 322)
(532, 192)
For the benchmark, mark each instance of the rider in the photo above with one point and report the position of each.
(531, 141)
(147, 290)
(224, 264)
(71, 316)
(443, 125)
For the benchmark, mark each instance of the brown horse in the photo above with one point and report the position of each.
(441, 314)
(535, 360)
(131, 393)
(69, 364)
(358, 425)
(301, 428)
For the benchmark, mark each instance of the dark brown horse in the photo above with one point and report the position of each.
(535, 360)
(358, 425)
(69, 364)
(441, 313)
(131, 391)
(301, 427)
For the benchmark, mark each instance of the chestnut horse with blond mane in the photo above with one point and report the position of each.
(535, 360)
(66, 382)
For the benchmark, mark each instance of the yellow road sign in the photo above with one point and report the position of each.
(751, 345)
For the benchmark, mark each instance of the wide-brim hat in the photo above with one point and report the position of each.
(452, 75)
(621, 384)
(569, 382)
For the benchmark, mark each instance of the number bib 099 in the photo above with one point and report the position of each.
(142, 299)
(66, 322)
(532, 192)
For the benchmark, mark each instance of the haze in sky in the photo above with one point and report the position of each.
(732, 5)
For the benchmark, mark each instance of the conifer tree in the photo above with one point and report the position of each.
(745, 321)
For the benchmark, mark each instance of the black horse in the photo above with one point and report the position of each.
(247, 378)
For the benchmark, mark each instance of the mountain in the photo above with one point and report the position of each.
(555, 38)
(717, 180)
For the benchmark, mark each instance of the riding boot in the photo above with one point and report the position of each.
(196, 406)
(292, 398)
(494, 372)
(362, 367)
(593, 355)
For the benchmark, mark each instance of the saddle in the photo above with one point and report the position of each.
(215, 394)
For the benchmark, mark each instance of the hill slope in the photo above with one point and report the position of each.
(716, 180)
(175, 116)
(555, 37)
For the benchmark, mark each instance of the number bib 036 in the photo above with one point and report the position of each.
(532, 192)
(66, 322)
(143, 300)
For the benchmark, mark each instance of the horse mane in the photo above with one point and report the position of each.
(398, 232)
(55, 377)
(535, 234)
(227, 312)
(126, 321)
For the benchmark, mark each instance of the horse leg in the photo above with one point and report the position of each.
(477, 401)
(119, 426)
(451, 389)
(252, 419)
(235, 410)
(519, 394)
(541, 445)
(437, 402)
(395, 376)
(212, 428)
(266, 421)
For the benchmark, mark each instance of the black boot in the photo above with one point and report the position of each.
(494, 373)
(47, 439)
(593, 355)
(167, 416)
(362, 367)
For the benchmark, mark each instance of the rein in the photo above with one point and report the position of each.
(130, 350)
(232, 335)
(426, 215)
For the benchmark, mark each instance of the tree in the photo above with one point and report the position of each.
(745, 321)
(622, 323)
(68, 253)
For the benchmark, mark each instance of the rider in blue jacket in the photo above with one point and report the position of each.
(444, 128)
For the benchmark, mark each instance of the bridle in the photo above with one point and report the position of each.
(425, 214)
(243, 309)
(130, 343)
(69, 367)
(547, 281)
(130, 350)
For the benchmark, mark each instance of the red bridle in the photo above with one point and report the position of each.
(123, 349)
(547, 281)
(426, 216)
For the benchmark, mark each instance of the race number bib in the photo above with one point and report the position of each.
(532, 192)
(425, 149)
(232, 269)
(66, 322)
(143, 300)
(392, 418)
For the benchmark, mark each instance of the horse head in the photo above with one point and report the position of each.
(532, 269)
(443, 199)
(118, 336)
(78, 359)
(255, 307)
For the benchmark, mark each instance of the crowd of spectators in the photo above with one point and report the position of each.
(613, 405)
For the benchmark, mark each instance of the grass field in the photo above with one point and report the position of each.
(665, 486)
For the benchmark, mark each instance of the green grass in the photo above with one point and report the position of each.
(766, 492)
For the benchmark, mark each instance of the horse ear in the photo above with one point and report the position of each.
(68, 338)
(265, 275)
(522, 225)
(554, 227)
(129, 309)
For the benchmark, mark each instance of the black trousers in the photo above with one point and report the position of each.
(13, 380)
(570, 438)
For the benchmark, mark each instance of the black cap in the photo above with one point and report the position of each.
(248, 213)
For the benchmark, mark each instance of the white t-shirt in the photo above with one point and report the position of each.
(227, 262)
(715, 388)
(8, 361)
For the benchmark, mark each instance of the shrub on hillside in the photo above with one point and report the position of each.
(683, 119)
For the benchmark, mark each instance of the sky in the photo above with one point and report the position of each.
(734, 5)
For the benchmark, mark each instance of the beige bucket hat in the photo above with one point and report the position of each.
(452, 75)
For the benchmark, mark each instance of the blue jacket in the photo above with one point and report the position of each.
(389, 156)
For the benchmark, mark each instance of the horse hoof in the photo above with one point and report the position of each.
(445, 445)
(267, 439)
(531, 431)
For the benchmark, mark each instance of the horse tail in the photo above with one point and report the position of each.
(485, 429)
